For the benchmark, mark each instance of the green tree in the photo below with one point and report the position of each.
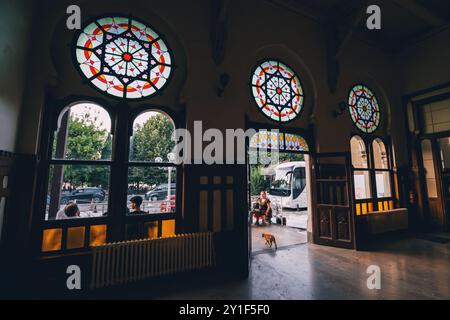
(257, 181)
(285, 157)
(153, 139)
(86, 140)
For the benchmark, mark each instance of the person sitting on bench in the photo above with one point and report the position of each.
(263, 208)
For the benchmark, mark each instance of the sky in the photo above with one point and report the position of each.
(103, 119)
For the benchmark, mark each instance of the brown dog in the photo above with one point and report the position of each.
(270, 239)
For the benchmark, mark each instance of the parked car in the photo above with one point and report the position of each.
(165, 208)
(84, 195)
(160, 192)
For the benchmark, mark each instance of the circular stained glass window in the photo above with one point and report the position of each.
(277, 91)
(123, 57)
(364, 108)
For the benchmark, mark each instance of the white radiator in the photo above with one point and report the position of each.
(128, 261)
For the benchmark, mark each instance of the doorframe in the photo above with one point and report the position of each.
(415, 183)
(308, 135)
(433, 138)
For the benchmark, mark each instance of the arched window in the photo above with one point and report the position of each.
(277, 91)
(372, 174)
(80, 163)
(123, 57)
(364, 108)
(361, 173)
(84, 166)
(152, 173)
(84, 157)
(381, 166)
(379, 154)
(359, 154)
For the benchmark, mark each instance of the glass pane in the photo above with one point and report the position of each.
(436, 116)
(383, 184)
(151, 190)
(153, 138)
(277, 91)
(362, 184)
(380, 155)
(267, 140)
(444, 146)
(83, 134)
(364, 109)
(77, 191)
(295, 142)
(359, 155)
(2, 214)
(428, 164)
(130, 59)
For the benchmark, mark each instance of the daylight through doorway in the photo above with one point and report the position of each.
(279, 202)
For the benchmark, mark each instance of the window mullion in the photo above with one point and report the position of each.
(119, 176)
(372, 175)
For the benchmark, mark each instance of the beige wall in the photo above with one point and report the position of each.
(288, 36)
(15, 24)
(256, 30)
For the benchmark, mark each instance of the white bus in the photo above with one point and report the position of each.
(288, 186)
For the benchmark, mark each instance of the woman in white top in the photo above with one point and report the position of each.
(70, 211)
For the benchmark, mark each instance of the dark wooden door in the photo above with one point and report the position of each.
(333, 219)
(434, 182)
(446, 189)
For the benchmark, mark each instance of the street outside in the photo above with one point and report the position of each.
(294, 219)
(97, 209)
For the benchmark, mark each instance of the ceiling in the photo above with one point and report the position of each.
(402, 21)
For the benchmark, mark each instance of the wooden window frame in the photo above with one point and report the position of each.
(374, 203)
(122, 118)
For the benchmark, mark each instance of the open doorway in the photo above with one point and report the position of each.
(279, 193)
(436, 177)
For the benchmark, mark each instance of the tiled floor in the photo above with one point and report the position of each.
(296, 219)
(410, 269)
(285, 236)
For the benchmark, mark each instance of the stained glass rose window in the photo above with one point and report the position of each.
(123, 57)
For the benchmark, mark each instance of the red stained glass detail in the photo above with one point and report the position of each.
(125, 52)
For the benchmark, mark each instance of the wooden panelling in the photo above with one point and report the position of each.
(51, 240)
(152, 229)
(213, 199)
(333, 217)
(217, 210)
(342, 223)
(324, 221)
(97, 235)
(6, 168)
(168, 228)
(75, 237)
(230, 209)
(203, 211)
(383, 222)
